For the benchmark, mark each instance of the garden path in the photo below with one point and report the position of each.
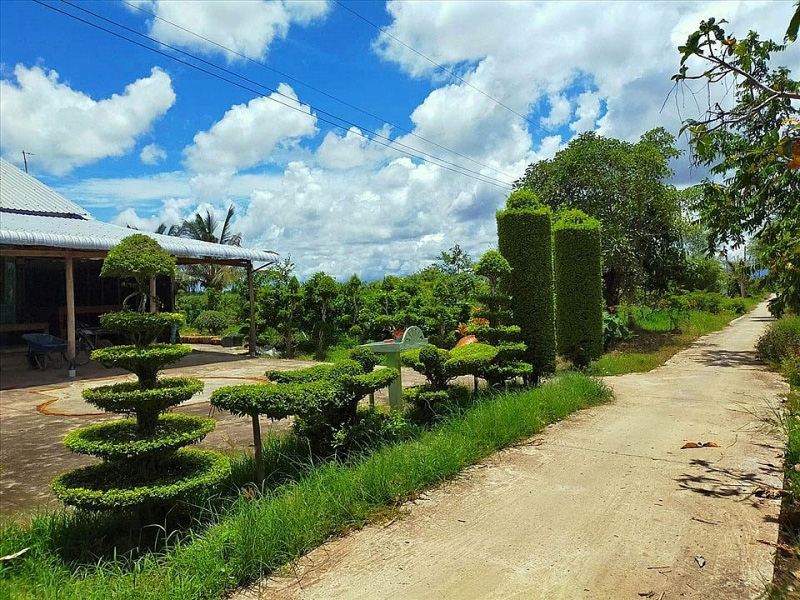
(603, 505)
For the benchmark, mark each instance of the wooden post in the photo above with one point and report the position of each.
(153, 303)
(252, 309)
(70, 311)
(259, 454)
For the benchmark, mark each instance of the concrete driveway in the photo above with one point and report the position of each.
(606, 504)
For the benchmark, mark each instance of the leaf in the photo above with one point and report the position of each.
(794, 25)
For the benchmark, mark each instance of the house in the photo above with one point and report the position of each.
(51, 252)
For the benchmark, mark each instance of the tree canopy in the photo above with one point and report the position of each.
(751, 148)
(623, 185)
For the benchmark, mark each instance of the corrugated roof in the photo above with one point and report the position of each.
(20, 191)
(52, 223)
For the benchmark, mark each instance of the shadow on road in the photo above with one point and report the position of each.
(718, 482)
(730, 358)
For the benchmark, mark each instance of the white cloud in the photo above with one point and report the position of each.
(248, 133)
(247, 27)
(587, 112)
(353, 149)
(152, 154)
(65, 128)
(560, 111)
(352, 205)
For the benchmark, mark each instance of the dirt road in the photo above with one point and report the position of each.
(608, 505)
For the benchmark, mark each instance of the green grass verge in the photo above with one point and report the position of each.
(656, 342)
(258, 535)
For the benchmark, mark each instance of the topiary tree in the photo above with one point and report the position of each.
(138, 258)
(144, 462)
(494, 313)
(324, 399)
(579, 287)
(524, 239)
(440, 367)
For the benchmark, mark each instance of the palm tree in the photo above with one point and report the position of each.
(204, 228)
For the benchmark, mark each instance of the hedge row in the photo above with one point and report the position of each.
(578, 287)
(524, 239)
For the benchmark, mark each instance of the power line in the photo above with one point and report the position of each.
(310, 87)
(291, 98)
(393, 145)
(442, 67)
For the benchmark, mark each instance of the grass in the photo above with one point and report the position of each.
(657, 339)
(259, 533)
(780, 341)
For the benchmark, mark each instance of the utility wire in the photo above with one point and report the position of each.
(411, 152)
(384, 31)
(278, 92)
(310, 87)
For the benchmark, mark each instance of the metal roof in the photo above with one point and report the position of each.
(20, 191)
(32, 214)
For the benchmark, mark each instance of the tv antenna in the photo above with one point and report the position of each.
(25, 155)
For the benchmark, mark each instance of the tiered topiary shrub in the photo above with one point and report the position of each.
(323, 399)
(144, 463)
(524, 239)
(579, 287)
(491, 324)
(440, 367)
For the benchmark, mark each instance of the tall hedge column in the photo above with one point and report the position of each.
(524, 239)
(579, 287)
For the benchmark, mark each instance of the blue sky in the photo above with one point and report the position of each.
(138, 139)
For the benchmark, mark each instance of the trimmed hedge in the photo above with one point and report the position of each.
(578, 287)
(470, 359)
(141, 329)
(276, 401)
(440, 366)
(119, 440)
(317, 372)
(105, 486)
(144, 362)
(129, 397)
(524, 239)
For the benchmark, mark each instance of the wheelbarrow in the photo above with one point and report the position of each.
(42, 346)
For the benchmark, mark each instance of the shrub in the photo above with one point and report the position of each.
(130, 398)
(791, 368)
(324, 399)
(364, 357)
(776, 344)
(424, 399)
(140, 329)
(578, 287)
(138, 257)
(211, 321)
(429, 361)
(143, 465)
(106, 486)
(614, 330)
(522, 199)
(371, 429)
(524, 239)
(144, 362)
(735, 305)
(122, 439)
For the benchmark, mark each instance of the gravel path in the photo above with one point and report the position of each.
(603, 505)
